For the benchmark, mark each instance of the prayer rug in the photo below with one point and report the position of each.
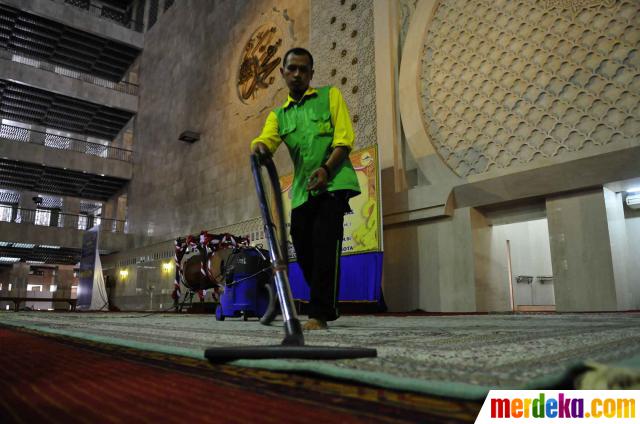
(453, 356)
(52, 378)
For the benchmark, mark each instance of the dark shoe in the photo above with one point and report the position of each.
(315, 324)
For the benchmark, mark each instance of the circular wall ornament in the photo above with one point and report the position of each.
(258, 61)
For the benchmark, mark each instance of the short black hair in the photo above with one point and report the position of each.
(298, 51)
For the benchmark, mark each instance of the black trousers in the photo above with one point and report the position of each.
(316, 230)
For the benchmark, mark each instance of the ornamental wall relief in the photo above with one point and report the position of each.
(506, 83)
(577, 5)
(341, 39)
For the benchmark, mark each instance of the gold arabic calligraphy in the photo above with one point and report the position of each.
(258, 62)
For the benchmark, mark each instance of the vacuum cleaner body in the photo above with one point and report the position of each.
(247, 273)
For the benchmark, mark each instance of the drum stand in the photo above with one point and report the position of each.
(189, 293)
(292, 345)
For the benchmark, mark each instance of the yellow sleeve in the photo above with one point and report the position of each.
(269, 135)
(342, 129)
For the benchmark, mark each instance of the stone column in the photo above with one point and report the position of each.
(37, 135)
(493, 289)
(64, 280)
(447, 264)
(387, 61)
(26, 202)
(620, 255)
(5, 279)
(431, 265)
(71, 209)
(18, 279)
(109, 210)
(581, 252)
(121, 213)
(127, 138)
(401, 283)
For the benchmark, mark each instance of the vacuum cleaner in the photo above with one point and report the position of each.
(248, 289)
(292, 346)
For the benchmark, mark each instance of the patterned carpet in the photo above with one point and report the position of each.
(455, 356)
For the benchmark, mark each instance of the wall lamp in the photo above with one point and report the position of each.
(189, 136)
(166, 267)
(124, 273)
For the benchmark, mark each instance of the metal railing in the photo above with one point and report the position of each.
(122, 86)
(54, 218)
(53, 141)
(113, 15)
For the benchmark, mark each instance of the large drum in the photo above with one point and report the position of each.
(195, 280)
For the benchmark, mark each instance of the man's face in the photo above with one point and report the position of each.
(297, 73)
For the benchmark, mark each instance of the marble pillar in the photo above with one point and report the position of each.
(581, 252)
(63, 280)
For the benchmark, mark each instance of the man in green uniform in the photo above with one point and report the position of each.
(316, 128)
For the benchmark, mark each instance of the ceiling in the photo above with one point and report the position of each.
(28, 35)
(34, 36)
(45, 179)
(36, 253)
(120, 4)
(24, 103)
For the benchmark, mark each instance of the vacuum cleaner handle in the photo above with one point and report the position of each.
(275, 182)
(277, 248)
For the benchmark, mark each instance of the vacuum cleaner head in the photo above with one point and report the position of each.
(226, 354)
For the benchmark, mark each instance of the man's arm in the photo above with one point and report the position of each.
(342, 144)
(269, 139)
(342, 129)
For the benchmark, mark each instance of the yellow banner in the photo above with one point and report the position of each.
(362, 226)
